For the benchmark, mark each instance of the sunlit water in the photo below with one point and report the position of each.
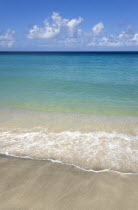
(79, 108)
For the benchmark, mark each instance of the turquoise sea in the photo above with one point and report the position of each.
(104, 83)
(79, 108)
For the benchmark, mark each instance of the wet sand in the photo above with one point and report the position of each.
(33, 184)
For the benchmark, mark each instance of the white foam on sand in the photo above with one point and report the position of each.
(96, 151)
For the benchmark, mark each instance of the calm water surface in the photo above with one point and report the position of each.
(77, 108)
(70, 82)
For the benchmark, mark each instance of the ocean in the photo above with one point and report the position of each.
(77, 108)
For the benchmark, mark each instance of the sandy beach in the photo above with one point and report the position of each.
(68, 130)
(34, 184)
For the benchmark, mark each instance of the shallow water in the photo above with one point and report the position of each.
(87, 141)
(77, 108)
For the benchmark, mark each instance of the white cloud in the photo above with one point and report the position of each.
(48, 30)
(7, 40)
(73, 26)
(58, 25)
(110, 41)
(97, 29)
(135, 38)
(124, 39)
(128, 33)
(69, 42)
(122, 34)
(62, 32)
(43, 33)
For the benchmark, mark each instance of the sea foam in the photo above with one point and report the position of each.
(92, 150)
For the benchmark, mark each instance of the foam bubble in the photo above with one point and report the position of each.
(93, 150)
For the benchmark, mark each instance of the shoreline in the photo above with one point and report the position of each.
(68, 164)
(36, 184)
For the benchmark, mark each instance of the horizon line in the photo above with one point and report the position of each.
(69, 51)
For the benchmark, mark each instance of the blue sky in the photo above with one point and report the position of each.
(68, 25)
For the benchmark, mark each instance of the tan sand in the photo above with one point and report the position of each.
(33, 184)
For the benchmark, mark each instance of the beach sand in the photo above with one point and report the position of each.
(34, 184)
